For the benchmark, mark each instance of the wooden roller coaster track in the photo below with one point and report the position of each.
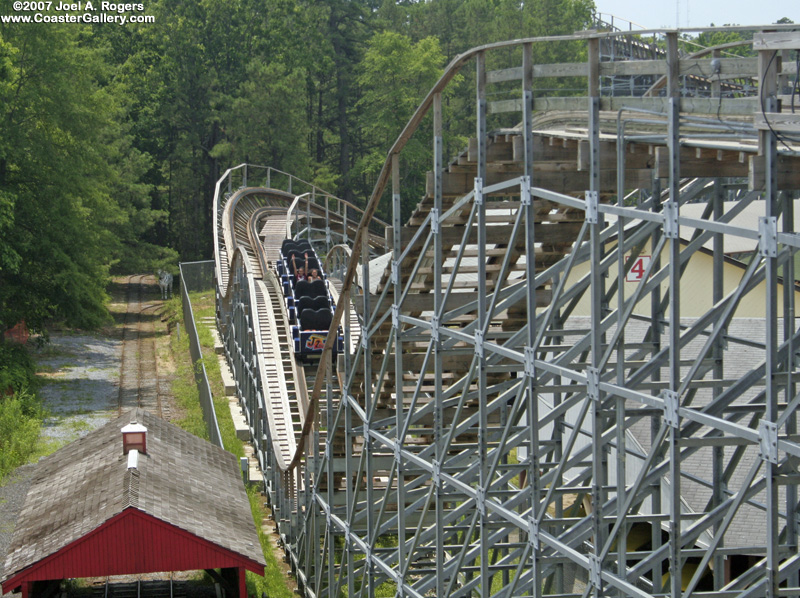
(551, 384)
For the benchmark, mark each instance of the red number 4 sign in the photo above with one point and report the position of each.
(636, 273)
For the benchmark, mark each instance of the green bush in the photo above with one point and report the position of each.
(17, 369)
(20, 424)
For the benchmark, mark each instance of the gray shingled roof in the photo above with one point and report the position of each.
(182, 480)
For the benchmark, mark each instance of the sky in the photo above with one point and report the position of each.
(697, 13)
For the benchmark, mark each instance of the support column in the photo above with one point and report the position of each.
(718, 351)
(671, 398)
(768, 60)
(397, 250)
(527, 203)
(483, 323)
(438, 263)
(597, 293)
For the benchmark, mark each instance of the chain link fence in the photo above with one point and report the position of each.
(199, 276)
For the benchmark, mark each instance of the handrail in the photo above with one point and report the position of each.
(216, 226)
(289, 211)
(335, 251)
(662, 81)
(308, 196)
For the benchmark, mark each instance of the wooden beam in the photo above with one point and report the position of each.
(458, 184)
(782, 40)
(633, 68)
(777, 121)
(420, 302)
(704, 164)
(545, 150)
(452, 360)
(546, 232)
(498, 149)
(714, 106)
(637, 157)
(788, 173)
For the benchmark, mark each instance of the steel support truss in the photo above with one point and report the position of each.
(529, 409)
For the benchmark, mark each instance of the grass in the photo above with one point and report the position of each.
(184, 388)
(274, 581)
(273, 584)
(185, 391)
(21, 417)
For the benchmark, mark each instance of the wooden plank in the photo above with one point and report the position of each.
(777, 121)
(421, 302)
(567, 69)
(546, 149)
(732, 68)
(568, 181)
(732, 106)
(633, 68)
(457, 184)
(497, 150)
(704, 164)
(513, 74)
(782, 40)
(503, 106)
(563, 69)
(701, 67)
(551, 233)
(738, 68)
(497, 167)
(788, 173)
(638, 155)
(418, 302)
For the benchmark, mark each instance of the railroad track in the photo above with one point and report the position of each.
(138, 382)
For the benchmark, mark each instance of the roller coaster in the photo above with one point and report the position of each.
(573, 370)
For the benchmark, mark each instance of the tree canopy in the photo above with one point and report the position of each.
(114, 136)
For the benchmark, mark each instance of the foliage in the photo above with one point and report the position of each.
(114, 137)
(269, 121)
(17, 368)
(395, 75)
(20, 423)
(709, 39)
(56, 209)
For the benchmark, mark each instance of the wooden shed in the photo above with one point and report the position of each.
(97, 509)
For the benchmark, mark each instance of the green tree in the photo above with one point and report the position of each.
(56, 208)
(268, 124)
(395, 76)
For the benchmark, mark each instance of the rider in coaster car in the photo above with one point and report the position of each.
(300, 273)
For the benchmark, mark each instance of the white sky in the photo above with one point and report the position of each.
(653, 14)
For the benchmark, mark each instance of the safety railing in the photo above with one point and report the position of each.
(329, 220)
(199, 275)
